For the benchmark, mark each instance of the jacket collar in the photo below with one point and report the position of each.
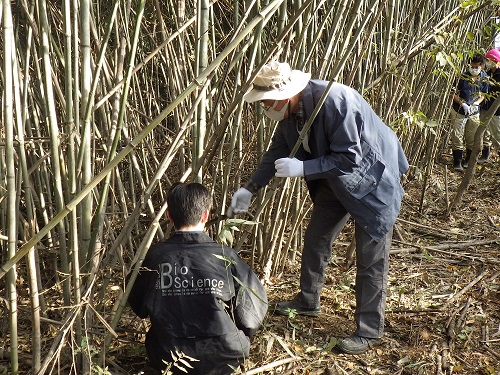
(307, 101)
(189, 237)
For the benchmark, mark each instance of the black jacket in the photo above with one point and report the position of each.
(494, 91)
(196, 290)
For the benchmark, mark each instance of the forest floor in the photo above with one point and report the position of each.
(443, 305)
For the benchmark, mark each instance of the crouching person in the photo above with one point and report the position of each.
(202, 299)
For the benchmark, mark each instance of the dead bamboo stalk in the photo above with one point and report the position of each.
(272, 365)
(467, 287)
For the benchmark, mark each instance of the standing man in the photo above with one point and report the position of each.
(352, 163)
(467, 98)
(201, 297)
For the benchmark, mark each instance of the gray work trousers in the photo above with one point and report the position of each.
(372, 262)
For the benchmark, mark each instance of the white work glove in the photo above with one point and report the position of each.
(240, 202)
(287, 167)
(466, 108)
(474, 109)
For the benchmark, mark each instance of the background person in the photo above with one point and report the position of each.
(467, 98)
(493, 65)
(189, 287)
(352, 163)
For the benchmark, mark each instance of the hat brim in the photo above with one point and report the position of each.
(298, 81)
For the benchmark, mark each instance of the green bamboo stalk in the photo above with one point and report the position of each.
(199, 131)
(36, 185)
(282, 16)
(301, 30)
(100, 212)
(214, 142)
(347, 49)
(86, 173)
(30, 223)
(388, 31)
(139, 66)
(85, 130)
(55, 146)
(120, 188)
(58, 341)
(94, 258)
(278, 226)
(361, 52)
(333, 35)
(12, 212)
(70, 152)
(30, 226)
(176, 144)
(304, 57)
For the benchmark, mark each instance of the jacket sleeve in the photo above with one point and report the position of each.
(278, 149)
(342, 125)
(250, 305)
(138, 294)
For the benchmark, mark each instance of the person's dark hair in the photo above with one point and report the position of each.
(187, 202)
(478, 58)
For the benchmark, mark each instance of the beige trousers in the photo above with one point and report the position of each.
(462, 129)
(494, 129)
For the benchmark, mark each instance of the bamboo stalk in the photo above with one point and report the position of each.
(98, 219)
(84, 169)
(55, 146)
(199, 131)
(11, 211)
(30, 223)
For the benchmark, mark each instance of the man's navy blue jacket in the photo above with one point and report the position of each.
(359, 157)
(470, 91)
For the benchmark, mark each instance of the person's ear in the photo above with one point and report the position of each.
(204, 217)
(169, 217)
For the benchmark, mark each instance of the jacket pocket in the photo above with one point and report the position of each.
(375, 189)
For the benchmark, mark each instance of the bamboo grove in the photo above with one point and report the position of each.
(106, 104)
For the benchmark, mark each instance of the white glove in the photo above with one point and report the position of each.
(466, 108)
(240, 202)
(286, 167)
